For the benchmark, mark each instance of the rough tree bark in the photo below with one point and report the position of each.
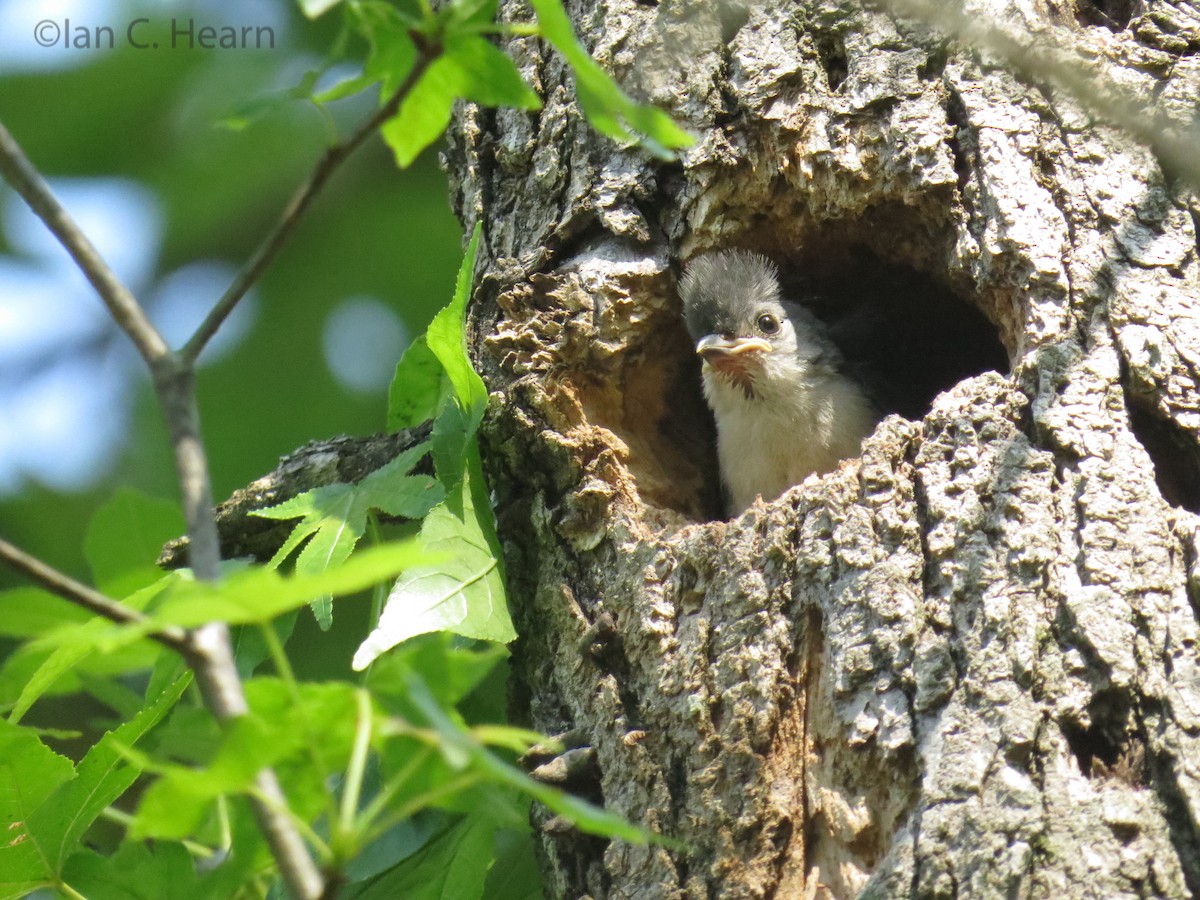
(962, 665)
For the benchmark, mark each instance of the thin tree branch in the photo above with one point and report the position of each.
(278, 236)
(90, 599)
(208, 649)
(125, 309)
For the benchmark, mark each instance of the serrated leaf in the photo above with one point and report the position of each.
(609, 109)
(334, 516)
(124, 538)
(104, 774)
(29, 773)
(464, 593)
(418, 387)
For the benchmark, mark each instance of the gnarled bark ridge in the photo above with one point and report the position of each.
(964, 665)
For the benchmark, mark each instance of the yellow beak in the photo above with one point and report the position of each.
(713, 345)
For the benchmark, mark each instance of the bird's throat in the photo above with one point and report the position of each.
(738, 371)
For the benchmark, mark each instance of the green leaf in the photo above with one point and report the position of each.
(515, 876)
(453, 866)
(347, 87)
(251, 595)
(282, 724)
(459, 743)
(464, 593)
(30, 772)
(423, 114)
(135, 871)
(486, 75)
(62, 651)
(259, 594)
(30, 612)
(451, 670)
(468, 68)
(392, 50)
(447, 338)
(315, 8)
(418, 387)
(58, 663)
(104, 774)
(470, 12)
(399, 842)
(458, 421)
(453, 432)
(609, 109)
(125, 537)
(335, 516)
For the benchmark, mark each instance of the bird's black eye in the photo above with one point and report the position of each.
(768, 324)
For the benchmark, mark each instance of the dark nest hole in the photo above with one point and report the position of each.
(907, 337)
(903, 335)
(1103, 745)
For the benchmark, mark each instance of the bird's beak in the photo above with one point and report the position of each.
(713, 346)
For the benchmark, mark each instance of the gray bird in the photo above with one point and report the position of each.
(772, 376)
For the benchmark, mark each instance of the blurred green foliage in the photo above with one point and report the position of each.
(161, 118)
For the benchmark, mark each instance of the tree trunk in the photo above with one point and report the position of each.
(964, 664)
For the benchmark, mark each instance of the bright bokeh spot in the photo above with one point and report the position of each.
(363, 339)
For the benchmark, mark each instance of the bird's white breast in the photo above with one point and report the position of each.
(780, 436)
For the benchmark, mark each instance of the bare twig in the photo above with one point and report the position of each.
(278, 236)
(82, 595)
(1043, 62)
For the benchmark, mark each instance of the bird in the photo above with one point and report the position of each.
(785, 406)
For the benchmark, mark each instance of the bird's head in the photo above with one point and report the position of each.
(744, 332)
